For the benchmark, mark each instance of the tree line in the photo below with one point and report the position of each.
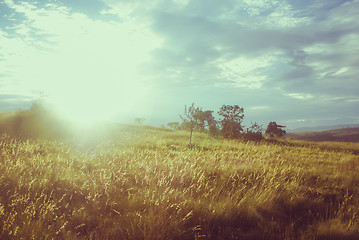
(229, 126)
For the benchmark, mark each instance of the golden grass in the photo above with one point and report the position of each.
(148, 184)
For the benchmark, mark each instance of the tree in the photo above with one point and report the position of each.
(204, 119)
(213, 130)
(190, 119)
(195, 118)
(274, 130)
(231, 123)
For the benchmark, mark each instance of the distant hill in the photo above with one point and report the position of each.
(348, 134)
(322, 128)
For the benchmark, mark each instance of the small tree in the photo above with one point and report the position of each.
(274, 130)
(231, 123)
(190, 119)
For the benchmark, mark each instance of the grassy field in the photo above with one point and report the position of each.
(146, 183)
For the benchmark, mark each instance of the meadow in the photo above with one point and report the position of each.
(147, 183)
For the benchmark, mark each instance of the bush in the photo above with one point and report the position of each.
(253, 133)
(274, 130)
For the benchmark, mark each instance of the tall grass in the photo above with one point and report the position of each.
(148, 184)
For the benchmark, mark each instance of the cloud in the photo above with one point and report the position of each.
(281, 52)
(79, 62)
(300, 96)
(72, 44)
(260, 108)
(207, 39)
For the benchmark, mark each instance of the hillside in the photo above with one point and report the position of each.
(146, 183)
(336, 135)
(47, 125)
(322, 128)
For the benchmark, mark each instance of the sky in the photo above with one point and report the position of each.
(294, 62)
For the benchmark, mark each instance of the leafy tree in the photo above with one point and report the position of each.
(173, 125)
(274, 130)
(207, 121)
(231, 123)
(253, 133)
(204, 119)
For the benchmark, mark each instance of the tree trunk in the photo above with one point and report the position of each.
(190, 137)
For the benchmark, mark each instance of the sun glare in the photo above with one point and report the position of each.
(88, 69)
(89, 103)
(96, 79)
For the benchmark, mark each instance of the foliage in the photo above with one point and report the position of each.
(204, 119)
(253, 133)
(214, 131)
(274, 130)
(146, 184)
(231, 123)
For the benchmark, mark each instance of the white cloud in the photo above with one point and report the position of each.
(257, 7)
(259, 108)
(283, 16)
(245, 71)
(265, 13)
(335, 64)
(301, 96)
(76, 59)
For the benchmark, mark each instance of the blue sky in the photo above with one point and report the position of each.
(295, 62)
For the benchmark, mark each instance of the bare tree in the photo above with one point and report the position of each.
(190, 118)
